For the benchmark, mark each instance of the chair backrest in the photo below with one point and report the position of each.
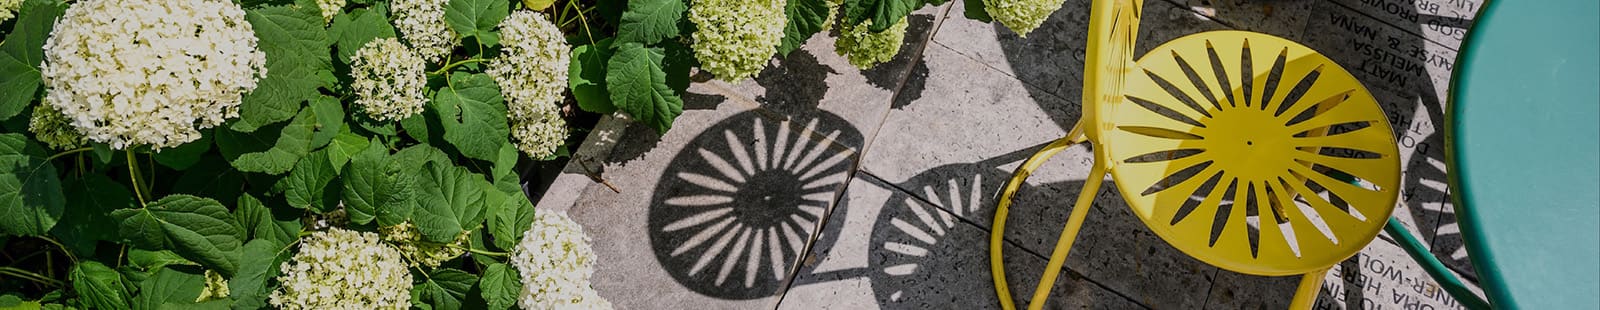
(1113, 31)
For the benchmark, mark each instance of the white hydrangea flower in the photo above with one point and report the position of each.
(532, 74)
(833, 13)
(216, 287)
(388, 80)
(150, 72)
(52, 128)
(1022, 16)
(532, 71)
(735, 38)
(8, 9)
(866, 49)
(539, 137)
(408, 240)
(342, 269)
(329, 9)
(421, 23)
(554, 262)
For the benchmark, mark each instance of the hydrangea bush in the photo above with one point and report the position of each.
(361, 154)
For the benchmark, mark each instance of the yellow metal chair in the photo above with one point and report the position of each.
(1244, 150)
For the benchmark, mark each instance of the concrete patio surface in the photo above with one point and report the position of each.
(820, 186)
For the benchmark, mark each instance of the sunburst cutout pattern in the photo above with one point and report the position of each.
(1253, 153)
(738, 205)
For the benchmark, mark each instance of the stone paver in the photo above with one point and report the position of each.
(820, 186)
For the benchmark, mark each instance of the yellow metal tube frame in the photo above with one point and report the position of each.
(1305, 294)
(1068, 234)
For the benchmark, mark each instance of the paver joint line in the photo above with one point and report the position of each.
(856, 161)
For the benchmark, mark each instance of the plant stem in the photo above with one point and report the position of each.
(447, 67)
(583, 22)
(151, 179)
(52, 241)
(30, 276)
(75, 151)
(479, 252)
(133, 173)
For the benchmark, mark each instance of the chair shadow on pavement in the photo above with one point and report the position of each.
(929, 250)
(740, 203)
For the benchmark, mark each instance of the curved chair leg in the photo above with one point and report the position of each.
(1068, 234)
(1306, 295)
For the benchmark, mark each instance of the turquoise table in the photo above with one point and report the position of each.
(1524, 142)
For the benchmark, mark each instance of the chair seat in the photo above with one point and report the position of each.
(1253, 153)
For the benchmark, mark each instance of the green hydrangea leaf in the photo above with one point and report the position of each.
(378, 187)
(415, 156)
(975, 11)
(449, 200)
(352, 31)
(16, 303)
(586, 76)
(312, 184)
(473, 115)
(169, 286)
(425, 127)
(248, 213)
(513, 217)
(22, 52)
(274, 150)
(445, 288)
(330, 120)
(103, 154)
(281, 225)
(806, 18)
(650, 21)
(883, 13)
(98, 286)
(87, 218)
(505, 161)
(344, 146)
(30, 191)
(477, 18)
(639, 86)
(258, 263)
(297, 54)
(199, 229)
(152, 260)
(500, 286)
(184, 156)
(537, 5)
